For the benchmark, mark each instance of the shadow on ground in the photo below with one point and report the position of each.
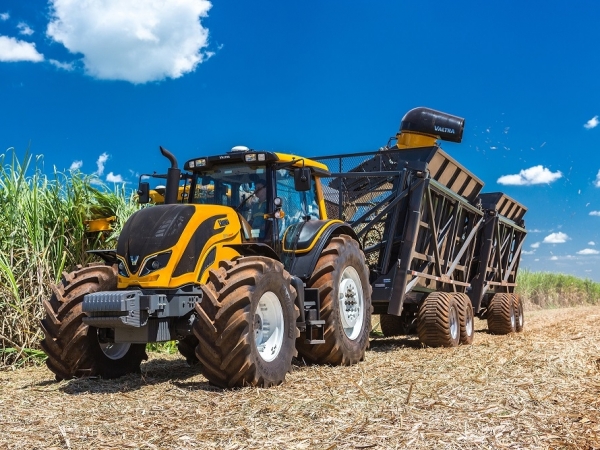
(155, 371)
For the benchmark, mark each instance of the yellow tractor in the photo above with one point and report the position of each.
(244, 269)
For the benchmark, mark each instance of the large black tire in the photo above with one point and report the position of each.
(392, 325)
(438, 322)
(232, 326)
(466, 318)
(347, 319)
(519, 314)
(73, 347)
(501, 316)
(187, 349)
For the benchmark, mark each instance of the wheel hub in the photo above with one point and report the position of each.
(115, 351)
(351, 303)
(469, 326)
(453, 323)
(268, 326)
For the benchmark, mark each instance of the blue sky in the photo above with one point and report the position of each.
(100, 85)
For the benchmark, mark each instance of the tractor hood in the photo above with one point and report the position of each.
(151, 230)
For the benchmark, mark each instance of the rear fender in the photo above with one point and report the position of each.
(313, 237)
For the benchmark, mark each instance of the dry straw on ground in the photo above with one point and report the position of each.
(538, 389)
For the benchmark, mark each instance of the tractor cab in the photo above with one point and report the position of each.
(269, 191)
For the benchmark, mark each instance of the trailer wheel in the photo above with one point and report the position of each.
(501, 316)
(246, 323)
(342, 278)
(392, 325)
(187, 349)
(74, 349)
(438, 323)
(520, 316)
(466, 319)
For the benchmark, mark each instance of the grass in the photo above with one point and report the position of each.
(541, 290)
(42, 234)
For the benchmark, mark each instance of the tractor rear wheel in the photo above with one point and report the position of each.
(519, 315)
(246, 323)
(466, 319)
(75, 349)
(501, 316)
(438, 322)
(342, 278)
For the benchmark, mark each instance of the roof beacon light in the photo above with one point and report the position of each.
(240, 148)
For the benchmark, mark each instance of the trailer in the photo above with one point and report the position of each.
(439, 251)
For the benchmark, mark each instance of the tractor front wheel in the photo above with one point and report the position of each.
(246, 323)
(75, 349)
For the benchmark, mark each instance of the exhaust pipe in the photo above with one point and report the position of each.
(433, 123)
(173, 177)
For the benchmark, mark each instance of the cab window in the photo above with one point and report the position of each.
(297, 206)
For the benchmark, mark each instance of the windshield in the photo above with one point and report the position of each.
(228, 185)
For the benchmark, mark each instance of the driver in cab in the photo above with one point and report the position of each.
(258, 209)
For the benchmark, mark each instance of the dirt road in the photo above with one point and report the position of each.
(537, 389)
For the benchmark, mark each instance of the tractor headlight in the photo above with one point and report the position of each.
(155, 262)
(122, 269)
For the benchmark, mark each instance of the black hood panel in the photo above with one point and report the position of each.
(151, 230)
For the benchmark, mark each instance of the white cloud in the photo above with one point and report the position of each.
(535, 245)
(4, 16)
(588, 251)
(554, 258)
(556, 238)
(533, 175)
(591, 243)
(592, 123)
(597, 182)
(111, 177)
(525, 252)
(76, 165)
(13, 50)
(61, 65)
(132, 40)
(24, 29)
(594, 213)
(100, 162)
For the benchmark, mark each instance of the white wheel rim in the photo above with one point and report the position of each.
(512, 318)
(351, 303)
(520, 316)
(115, 351)
(453, 323)
(469, 325)
(268, 326)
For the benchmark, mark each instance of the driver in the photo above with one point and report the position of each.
(259, 207)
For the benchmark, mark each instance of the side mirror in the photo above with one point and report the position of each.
(302, 179)
(143, 192)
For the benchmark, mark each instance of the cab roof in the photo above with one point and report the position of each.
(254, 157)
